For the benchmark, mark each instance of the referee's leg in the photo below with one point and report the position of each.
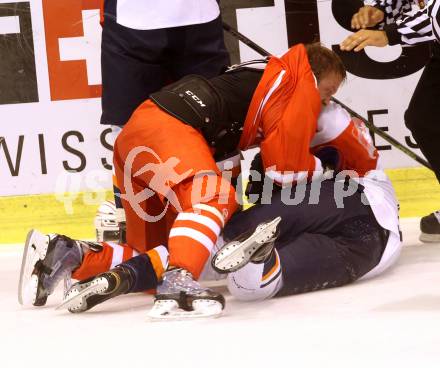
(423, 114)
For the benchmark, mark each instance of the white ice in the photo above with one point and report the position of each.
(390, 321)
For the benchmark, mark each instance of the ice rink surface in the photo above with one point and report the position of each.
(390, 321)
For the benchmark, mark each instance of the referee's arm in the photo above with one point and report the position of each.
(413, 29)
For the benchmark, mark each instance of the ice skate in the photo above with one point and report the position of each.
(180, 297)
(430, 228)
(110, 223)
(255, 246)
(85, 294)
(106, 226)
(46, 260)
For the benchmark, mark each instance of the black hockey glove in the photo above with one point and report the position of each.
(330, 158)
(255, 186)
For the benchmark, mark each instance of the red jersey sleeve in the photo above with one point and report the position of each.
(285, 148)
(289, 122)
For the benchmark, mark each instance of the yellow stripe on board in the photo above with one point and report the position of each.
(72, 215)
(417, 189)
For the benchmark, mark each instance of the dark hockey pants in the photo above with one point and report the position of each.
(320, 245)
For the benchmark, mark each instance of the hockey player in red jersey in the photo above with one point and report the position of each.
(144, 46)
(331, 237)
(166, 155)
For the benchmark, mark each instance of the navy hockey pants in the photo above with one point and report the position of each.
(320, 245)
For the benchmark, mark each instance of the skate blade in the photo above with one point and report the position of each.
(235, 255)
(75, 299)
(168, 310)
(35, 249)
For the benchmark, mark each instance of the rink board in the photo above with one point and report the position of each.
(51, 85)
(56, 160)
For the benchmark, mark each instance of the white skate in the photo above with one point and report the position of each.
(237, 253)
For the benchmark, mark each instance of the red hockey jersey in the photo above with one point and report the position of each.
(285, 109)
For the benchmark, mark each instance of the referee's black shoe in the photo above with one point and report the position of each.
(430, 227)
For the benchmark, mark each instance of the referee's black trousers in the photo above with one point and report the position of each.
(423, 114)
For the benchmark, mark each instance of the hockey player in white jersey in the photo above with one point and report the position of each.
(349, 231)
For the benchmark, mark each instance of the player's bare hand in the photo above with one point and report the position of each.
(363, 38)
(367, 16)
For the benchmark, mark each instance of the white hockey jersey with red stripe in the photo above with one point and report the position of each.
(351, 137)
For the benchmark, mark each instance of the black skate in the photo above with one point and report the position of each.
(252, 246)
(85, 294)
(430, 227)
(46, 260)
(179, 296)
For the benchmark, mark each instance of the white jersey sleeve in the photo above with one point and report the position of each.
(349, 136)
(380, 194)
